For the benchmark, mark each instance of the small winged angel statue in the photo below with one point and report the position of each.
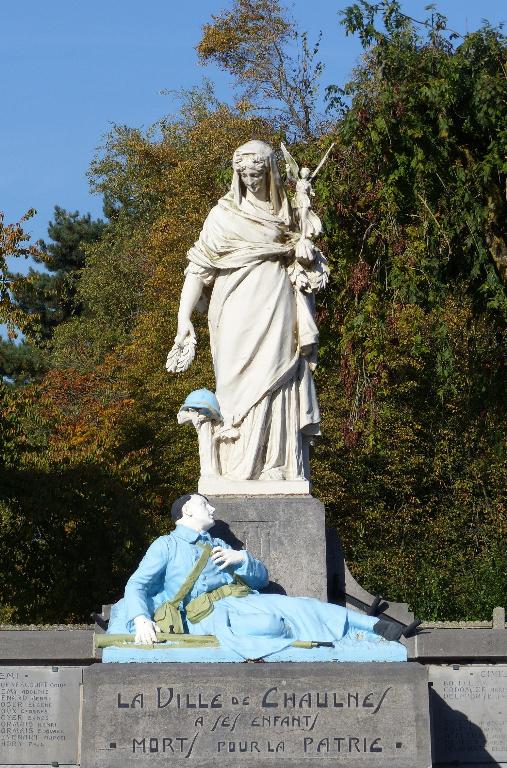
(309, 223)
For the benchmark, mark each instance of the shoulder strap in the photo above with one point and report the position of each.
(193, 575)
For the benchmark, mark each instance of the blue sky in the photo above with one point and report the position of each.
(69, 70)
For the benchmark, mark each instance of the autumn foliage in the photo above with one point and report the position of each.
(412, 464)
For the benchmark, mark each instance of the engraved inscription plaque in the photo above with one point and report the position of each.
(39, 715)
(242, 715)
(469, 714)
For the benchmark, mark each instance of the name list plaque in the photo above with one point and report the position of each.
(39, 715)
(469, 713)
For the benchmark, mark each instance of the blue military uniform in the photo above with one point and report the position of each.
(253, 626)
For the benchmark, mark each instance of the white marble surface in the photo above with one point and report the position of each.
(223, 486)
(261, 273)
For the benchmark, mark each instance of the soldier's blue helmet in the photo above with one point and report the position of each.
(204, 401)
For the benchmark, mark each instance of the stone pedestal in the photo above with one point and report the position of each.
(222, 486)
(286, 532)
(256, 715)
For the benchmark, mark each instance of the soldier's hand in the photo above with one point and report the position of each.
(224, 557)
(146, 630)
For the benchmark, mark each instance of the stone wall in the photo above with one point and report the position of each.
(60, 706)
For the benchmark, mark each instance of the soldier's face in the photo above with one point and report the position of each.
(201, 512)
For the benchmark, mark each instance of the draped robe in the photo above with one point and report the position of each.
(258, 323)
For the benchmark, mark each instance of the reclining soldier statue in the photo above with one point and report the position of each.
(190, 583)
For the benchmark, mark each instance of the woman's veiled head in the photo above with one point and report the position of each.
(257, 160)
(253, 153)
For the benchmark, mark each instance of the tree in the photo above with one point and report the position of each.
(45, 299)
(65, 255)
(273, 64)
(413, 467)
(13, 241)
(92, 455)
(20, 363)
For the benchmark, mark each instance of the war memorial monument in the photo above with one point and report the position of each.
(242, 639)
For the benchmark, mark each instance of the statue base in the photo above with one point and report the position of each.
(255, 715)
(214, 485)
(355, 646)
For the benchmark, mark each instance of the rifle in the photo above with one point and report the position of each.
(169, 640)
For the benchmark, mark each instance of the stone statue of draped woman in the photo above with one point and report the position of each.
(261, 322)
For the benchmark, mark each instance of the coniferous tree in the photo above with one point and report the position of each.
(48, 298)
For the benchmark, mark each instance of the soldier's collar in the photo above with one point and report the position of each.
(190, 534)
